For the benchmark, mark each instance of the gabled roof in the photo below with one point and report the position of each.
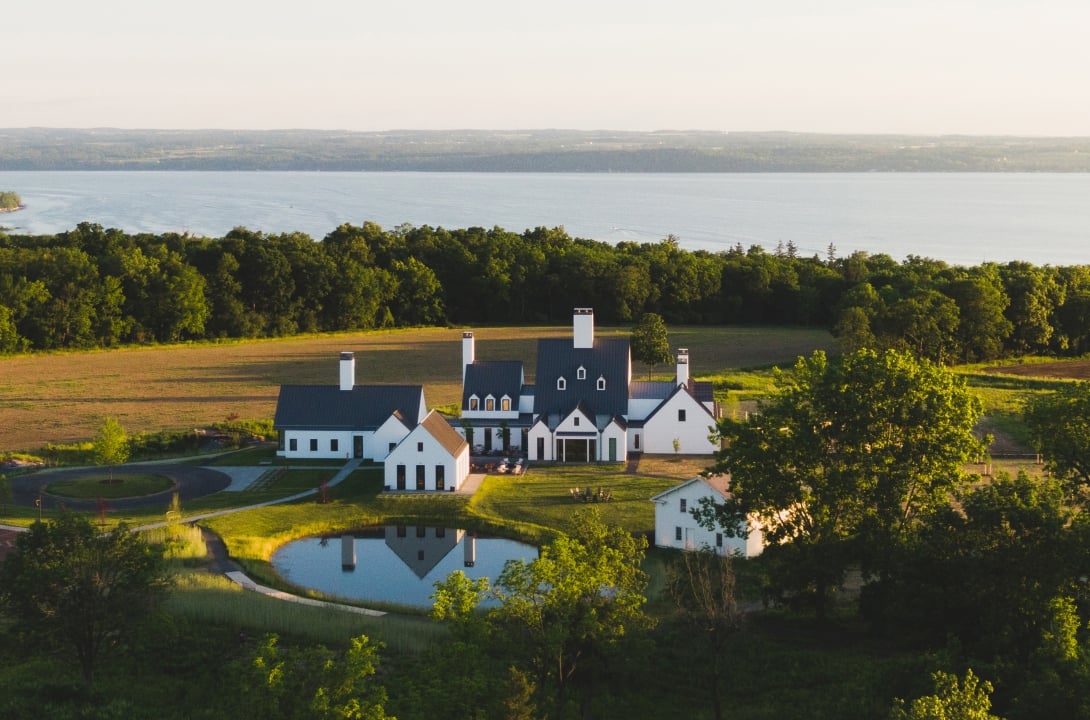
(719, 483)
(492, 377)
(327, 407)
(438, 427)
(678, 389)
(556, 357)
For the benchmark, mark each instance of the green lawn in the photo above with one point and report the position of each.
(110, 487)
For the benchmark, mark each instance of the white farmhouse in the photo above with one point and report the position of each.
(583, 406)
(383, 423)
(345, 420)
(676, 527)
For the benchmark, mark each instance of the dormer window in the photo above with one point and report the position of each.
(474, 402)
(505, 403)
(490, 403)
(561, 384)
(601, 383)
(581, 373)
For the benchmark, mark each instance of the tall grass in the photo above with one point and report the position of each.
(180, 542)
(215, 599)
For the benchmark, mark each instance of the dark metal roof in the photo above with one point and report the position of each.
(493, 377)
(608, 359)
(678, 389)
(364, 407)
(651, 390)
(703, 390)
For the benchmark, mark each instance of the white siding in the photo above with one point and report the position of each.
(614, 432)
(669, 518)
(540, 430)
(420, 448)
(390, 432)
(661, 429)
(303, 440)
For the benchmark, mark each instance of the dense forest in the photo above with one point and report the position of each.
(531, 151)
(95, 287)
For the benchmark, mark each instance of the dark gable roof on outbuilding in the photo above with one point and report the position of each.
(556, 358)
(327, 407)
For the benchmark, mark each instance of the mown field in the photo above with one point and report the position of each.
(62, 397)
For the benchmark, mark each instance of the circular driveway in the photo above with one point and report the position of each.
(190, 482)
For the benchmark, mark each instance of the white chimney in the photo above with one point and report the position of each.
(583, 327)
(348, 371)
(469, 353)
(682, 366)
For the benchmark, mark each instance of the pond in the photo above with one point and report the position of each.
(395, 563)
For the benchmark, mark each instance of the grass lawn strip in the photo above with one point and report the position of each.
(102, 486)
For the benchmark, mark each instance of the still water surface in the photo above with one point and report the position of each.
(962, 218)
(395, 564)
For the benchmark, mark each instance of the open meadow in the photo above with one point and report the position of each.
(62, 397)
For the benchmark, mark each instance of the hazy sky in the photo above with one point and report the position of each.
(915, 66)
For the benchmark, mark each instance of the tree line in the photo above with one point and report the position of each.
(94, 287)
(540, 150)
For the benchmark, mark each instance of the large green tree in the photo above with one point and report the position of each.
(70, 584)
(843, 459)
(564, 615)
(1059, 423)
(650, 342)
(314, 683)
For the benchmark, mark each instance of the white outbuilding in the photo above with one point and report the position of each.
(676, 527)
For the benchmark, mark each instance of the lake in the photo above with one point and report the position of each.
(962, 218)
(395, 563)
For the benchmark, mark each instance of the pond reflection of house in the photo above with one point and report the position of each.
(421, 548)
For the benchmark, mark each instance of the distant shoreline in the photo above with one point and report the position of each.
(14, 209)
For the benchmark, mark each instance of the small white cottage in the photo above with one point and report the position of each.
(675, 526)
(431, 457)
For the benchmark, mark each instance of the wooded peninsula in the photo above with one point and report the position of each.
(532, 151)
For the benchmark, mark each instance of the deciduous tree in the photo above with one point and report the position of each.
(70, 584)
(111, 444)
(844, 458)
(1059, 424)
(650, 342)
